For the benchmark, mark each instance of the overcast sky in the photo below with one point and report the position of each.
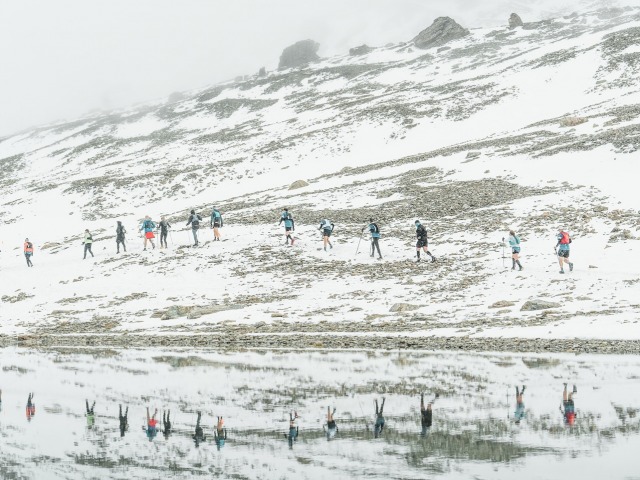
(60, 59)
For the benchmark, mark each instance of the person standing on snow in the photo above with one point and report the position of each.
(120, 233)
(87, 242)
(514, 243)
(375, 237)
(148, 226)
(28, 251)
(562, 249)
(194, 221)
(423, 241)
(216, 223)
(289, 225)
(164, 231)
(327, 229)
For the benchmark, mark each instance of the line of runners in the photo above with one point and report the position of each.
(148, 227)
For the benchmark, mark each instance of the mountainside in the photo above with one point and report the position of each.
(533, 129)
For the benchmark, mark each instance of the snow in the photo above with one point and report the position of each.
(314, 130)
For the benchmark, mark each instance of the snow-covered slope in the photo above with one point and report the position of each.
(532, 129)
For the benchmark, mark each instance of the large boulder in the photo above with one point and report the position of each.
(298, 184)
(361, 50)
(443, 30)
(300, 53)
(403, 307)
(538, 304)
(515, 21)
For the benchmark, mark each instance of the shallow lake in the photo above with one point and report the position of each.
(474, 433)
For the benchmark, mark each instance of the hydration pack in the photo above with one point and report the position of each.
(566, 239)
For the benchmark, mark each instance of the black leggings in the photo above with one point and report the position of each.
(163, 238)
(120, 242)
(374, 246)
(87, 248)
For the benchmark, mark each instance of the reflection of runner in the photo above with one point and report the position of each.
(379, 419)
(31, 407)
(331, 428)
(220, 435)
(124, 422)
(91, 417)
(292, 436)
(198, 436)
(166, 423)
(426, 415)
(519, 413)
(568, 408)
(152, 425)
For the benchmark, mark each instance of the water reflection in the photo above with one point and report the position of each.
(200, 400)
(331, 427)
(379, 425)
(220, 434)
(294, 430)
(91, 416)
(31, 407)
(123, 420)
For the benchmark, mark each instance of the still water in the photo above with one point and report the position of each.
(474, 431)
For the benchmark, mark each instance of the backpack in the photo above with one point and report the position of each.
(566, 239)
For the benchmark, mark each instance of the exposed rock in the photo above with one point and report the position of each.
(443, 30)
(572, 121)
(502, 304)
(515, 21)
(403, 307)
(472, 155)
(361, 50)
(537, 304)
(262, 72)
(298, 184)
(443, 49)
(298, 54)
(15, 298)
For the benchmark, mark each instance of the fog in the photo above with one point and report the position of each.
(62, 59)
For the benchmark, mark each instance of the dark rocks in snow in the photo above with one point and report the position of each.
(443, 30)
(502, 304)
(262, 72)
(361, 50)
(515, 21)
(403, 307)
(537, 304)
(298, 54)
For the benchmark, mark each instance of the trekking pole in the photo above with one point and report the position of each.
(171, 236)
(357, 249)
(503, 265)
(507, 403)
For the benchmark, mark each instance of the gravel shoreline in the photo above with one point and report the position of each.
(330, 342)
